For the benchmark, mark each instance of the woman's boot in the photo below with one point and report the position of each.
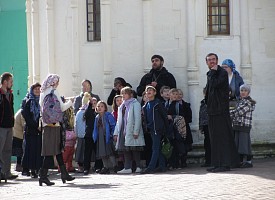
(43, 177)
(64, 174)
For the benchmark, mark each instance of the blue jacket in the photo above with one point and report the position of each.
(109, 124)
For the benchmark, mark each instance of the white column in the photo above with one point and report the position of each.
(246, 68)
(192, 67)
(29, 41)
(147, 34)
(35, 45)
(50, 36)
(75, 47)
(106, 45)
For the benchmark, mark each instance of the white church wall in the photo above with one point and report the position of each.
(175, 29)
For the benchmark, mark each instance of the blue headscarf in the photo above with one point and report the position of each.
(230, 64)
(34, 105)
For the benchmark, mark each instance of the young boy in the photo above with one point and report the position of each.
(156, 121)
(164, 93)
(242, 123)
(203, 127)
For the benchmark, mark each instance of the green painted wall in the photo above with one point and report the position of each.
(13, 46)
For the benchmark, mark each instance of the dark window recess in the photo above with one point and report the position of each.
(93, 20)
(218, 17)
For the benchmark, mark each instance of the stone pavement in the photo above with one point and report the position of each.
(192, 182)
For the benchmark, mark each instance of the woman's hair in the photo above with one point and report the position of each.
(127, 90)
(105, 105)
(35, 85)
(114, 106)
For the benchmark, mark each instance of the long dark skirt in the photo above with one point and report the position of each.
(32, 158)
(17, 149)
(223, 149)
(51, 141)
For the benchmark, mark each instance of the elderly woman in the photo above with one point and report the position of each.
(51, 133)
(32, 132)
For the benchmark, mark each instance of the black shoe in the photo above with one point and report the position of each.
(86, 172)
(211, 169)
(246, 165)
(97, 171)
(64, 174)
(26, 173)
(11, 177)
(160, 170)
(147, 171)
(205, 165)
(104, 170)
(43, 178)
(220, 169)
(33, 174)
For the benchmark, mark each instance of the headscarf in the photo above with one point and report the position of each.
(34, 105)
(230, 64)
(51, 80)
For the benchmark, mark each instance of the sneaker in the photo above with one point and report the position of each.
(125, 171)
(138, 170)
(246, 165)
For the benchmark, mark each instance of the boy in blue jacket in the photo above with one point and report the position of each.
(156, 121)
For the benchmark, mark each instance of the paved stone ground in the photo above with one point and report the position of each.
(192, 182)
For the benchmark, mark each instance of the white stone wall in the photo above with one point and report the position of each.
(134, 30)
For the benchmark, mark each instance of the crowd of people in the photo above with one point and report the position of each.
(49, 130)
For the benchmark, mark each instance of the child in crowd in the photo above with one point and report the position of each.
(68, 120)
(90, 146)
(80, 130)
(128, 132)
(187, 114)
(242, 123)
(164, 93)
(156, 121)
(103, 136)
(203, 127)
(116, 103)
(146, 154)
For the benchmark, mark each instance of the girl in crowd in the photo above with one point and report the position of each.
(51, 133)
(32, 133)
(103, 136)
(80, 130)
(90, 147)
(128, 132)
(116, 103)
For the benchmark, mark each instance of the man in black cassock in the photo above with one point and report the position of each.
(223, 149)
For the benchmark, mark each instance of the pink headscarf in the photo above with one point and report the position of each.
(51, 80)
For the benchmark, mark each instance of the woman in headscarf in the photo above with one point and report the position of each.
(51, 133)
(235, 81)
(32, 132)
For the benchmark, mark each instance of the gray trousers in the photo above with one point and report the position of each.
(5, 149)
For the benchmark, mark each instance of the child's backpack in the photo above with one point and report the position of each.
(180, 126)
(51, 110)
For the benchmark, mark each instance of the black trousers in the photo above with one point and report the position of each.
(207, 145)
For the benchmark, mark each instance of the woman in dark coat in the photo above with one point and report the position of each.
(32, 133)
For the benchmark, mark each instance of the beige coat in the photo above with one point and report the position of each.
(19, 124)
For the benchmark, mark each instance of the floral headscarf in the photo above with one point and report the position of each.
(51, 80)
